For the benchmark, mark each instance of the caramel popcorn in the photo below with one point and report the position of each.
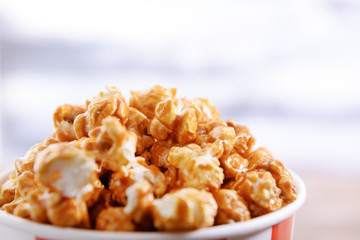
(114, 219)
(66, 212)
(64, 117)
(65, 169)
(197, 167)
(281, 175)
(232, 207)
(185, 209)
(259, 190)
(155, 162)
(7, 190)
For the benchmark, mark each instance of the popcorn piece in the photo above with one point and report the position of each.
(167, 110)
(282, 176)
(159, 153)
(232, 207)
(97, 110)
(22, 210)
(27, 202)
(115, 146)
(260, 192)
(227, 134)
(139, 201)
(137, 121)
(216, 148)
(186, 125)
(146, 101)
(26, 163)
(233, 164)
(171, 177)
(209, 126)
(65, 168)
(114, 219)
(81, 127)
(208, 111)
(64, 117)
(7, 190)
(66, 212)
(111, 91)
(129, 175)
(198, 168)
(180, 156)
(259, 154)
(201, 139)
(244, 139)
(185, 209)
(158, 130)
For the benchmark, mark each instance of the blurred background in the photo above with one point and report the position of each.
(289, 70)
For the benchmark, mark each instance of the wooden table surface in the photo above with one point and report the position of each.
(332, 207)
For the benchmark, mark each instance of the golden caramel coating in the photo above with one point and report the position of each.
(27, 203)
(209, 126)
(114, 144)
(233, 164)
(34, 207)
(114, 219)
(67, 113)
(97, 110)
(7, 190)
(155, 162)
(22, 210)
(198, 167)
(66, 212)
(185, 209)
(139, 201)
(26, 163)
(186, 125)
(281, 175)
(226, 134)
(167, 110)
(160, 152)
(137, 121)
(208, 111)
(244, 139)
(231, 207)
(259, 190)
(110, 91)
(64, 117)
(127, 176)
(171, 177)
(259, 154)
(66, 169)
(158, 130)
(146, 101)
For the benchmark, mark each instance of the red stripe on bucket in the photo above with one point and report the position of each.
(283, 230)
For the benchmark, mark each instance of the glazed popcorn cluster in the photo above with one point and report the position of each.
(157, 162)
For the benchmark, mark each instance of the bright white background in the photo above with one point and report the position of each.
(290, 70)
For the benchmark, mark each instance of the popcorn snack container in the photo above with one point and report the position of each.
(277, 225)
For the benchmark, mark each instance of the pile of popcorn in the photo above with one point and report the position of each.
(157, 162)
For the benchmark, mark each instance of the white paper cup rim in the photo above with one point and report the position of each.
(227, 230)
